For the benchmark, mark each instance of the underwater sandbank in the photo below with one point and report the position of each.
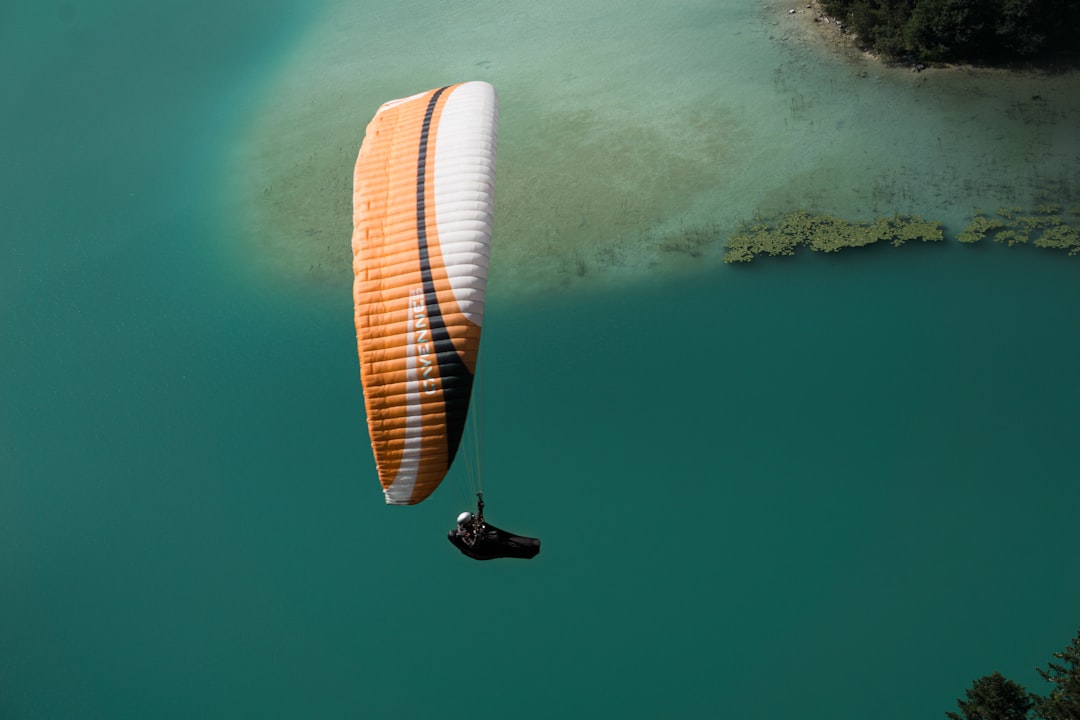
(635, 147)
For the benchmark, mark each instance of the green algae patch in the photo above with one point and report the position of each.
(824, 233)
(1047, 226)
(1061, 237)
(981, 225)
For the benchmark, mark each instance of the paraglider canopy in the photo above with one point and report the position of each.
(422, 206)
(423, 197)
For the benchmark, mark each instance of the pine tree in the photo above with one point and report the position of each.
(993, 697)
(1063, 702)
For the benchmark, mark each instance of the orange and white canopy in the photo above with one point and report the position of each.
(423, 197)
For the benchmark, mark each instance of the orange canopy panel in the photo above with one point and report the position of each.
(423, 194)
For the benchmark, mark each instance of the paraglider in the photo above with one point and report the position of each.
(423, 199)
(480, 541)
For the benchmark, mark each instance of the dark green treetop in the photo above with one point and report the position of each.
(1063, 702)
(981, 31)
(993, 697)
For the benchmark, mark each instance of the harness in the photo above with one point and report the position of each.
(477, 526)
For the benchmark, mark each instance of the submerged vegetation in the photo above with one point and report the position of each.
(1047, 226)
(824, 233)
(973, 31)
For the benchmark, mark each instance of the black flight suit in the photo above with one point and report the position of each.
(482, 541)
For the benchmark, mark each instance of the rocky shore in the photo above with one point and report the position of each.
(813, 23)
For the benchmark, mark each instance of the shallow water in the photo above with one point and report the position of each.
(634, 141)
(821, 485)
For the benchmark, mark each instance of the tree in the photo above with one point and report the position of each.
(993, 697)
(1063, 702)
(1020, 29)
(952, 29)
(985, 31)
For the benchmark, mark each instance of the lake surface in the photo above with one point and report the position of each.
(823, 486)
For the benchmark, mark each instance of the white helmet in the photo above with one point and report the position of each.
(465, 517)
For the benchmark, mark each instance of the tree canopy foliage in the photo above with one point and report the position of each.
(978, 31)
(1063, 702)
(995, 697)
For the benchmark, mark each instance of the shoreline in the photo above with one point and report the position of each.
(835, 35)
(818, 26)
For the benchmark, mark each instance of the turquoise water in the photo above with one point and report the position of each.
(820, 486)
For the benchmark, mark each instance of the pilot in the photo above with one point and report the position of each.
(466, 528)
(477, 539)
